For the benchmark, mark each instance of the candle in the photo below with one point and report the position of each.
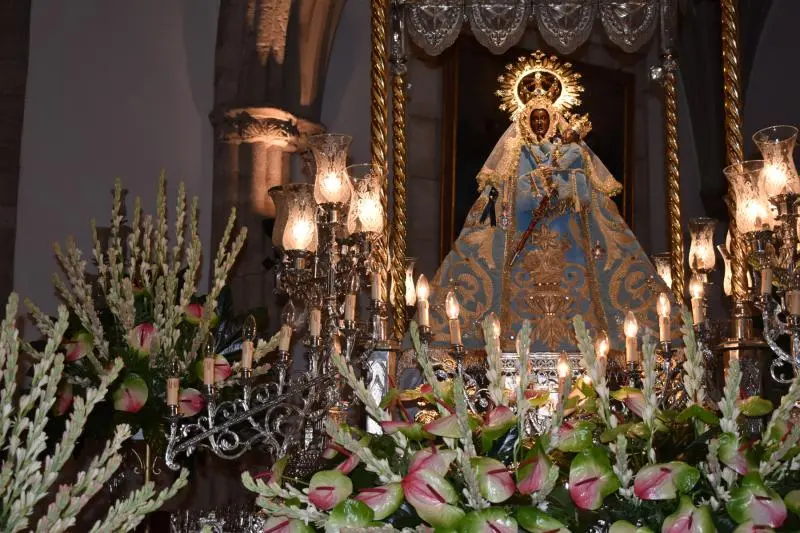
(377, 292)
(210, 358)
(631, 328)
(423, 308)
(563, 370)
(285, 338)
(248, 347)
(315, 322)
(350, 307)
(173, 384)
(663, 307)
(601, 350)
(793, 302)
(766, 281)
(696, 292)
(452, 309)
(247, 354)
(208, 370)
(494, 324)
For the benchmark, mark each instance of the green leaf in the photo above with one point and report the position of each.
(755, 406)
(696, 412)
(610, 435)
(536, 521)
(349, 513)
(539, 399)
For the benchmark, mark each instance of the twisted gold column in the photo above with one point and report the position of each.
(672, 172)
(734, 137)
(399, 197)
(379, 119)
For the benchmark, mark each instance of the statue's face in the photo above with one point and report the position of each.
(540, 122)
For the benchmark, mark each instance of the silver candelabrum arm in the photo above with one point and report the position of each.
(774, 327)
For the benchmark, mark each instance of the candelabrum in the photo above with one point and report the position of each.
(767, 195)
(325, 234)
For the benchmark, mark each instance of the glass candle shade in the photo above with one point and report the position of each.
(411, 293)
(663, 265)
(776, 144)
(701, 250)
(300, 231)
(746, 182)
(331, 185)
(366, 211)
(279, 199)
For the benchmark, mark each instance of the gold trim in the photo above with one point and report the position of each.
(673, 177)
(515, 95)
(379, 119)
(734, 137)
(399, 212)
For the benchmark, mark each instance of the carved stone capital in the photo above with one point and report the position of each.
(268, 125)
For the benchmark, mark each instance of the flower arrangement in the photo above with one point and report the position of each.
(609, 461)
(28, 473)
(143, 307)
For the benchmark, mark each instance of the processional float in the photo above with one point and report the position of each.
(338, 239)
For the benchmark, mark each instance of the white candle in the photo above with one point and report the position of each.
(696, 292)
(601, 350)
(793, 302)
(173, 384)
(766, 281)
(563, 369)
(208, 370)
(631, 328)
(285, 338)
(315, 322)
(698, 314)
(423, 308)
(377, 292)
(452, 310)
(663, 308)
(247, 354)
(350, 307)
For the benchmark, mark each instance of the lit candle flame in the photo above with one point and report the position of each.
(423, 290)
(663, 306)
(631, 326)
(451, 306)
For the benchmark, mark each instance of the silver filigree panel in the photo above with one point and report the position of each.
(500, 24)
(629, 23)
(565, 24)
(435, 25)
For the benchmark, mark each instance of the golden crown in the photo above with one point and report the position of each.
(542, 78)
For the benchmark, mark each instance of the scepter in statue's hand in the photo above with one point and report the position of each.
(547, 202)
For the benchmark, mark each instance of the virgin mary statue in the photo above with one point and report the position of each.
(544, 241)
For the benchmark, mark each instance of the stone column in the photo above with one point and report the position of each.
(271, 61)
(15, 29)
(257, 143)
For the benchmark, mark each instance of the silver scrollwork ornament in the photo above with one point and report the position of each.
(565, 24)
(435, 27)
(500, 24)
(629, 23)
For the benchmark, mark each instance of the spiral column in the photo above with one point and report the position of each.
(399, 203)
(379, 119)
(734, 137)
(672, 172)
